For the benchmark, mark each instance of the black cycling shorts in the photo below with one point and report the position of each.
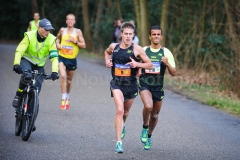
(71, 64)
(129, 89)
(156, 91)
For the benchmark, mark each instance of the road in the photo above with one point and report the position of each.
(186, 130)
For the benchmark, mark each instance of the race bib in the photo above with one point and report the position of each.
(122, 70)
(156, 68)
(67, 50)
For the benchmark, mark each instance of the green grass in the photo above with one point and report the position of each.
(208, 95)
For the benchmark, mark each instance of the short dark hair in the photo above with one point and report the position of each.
(155, 27)
(127, 25)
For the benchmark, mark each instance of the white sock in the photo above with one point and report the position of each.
(64, 96)
(67, 95)
(119, 142)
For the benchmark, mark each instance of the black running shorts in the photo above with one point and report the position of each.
(129, 89)
(71, 64)
(156, 91)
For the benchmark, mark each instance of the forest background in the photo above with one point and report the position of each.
(204, 36)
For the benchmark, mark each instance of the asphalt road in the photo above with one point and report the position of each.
(186, 130)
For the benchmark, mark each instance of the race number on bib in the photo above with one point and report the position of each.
(122, 70)
(67, 49)
(156, 68)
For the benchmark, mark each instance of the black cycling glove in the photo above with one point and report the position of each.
(54, 76)
(17, 69)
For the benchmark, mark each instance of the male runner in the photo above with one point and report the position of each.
(124, 64)
(68, 42)
(33, 25)
(151, 83)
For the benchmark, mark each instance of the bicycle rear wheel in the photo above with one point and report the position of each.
(18, 116)
(31, 114)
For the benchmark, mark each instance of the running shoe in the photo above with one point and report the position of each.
(63, 105)
(123, 132)
(144, 135)
(148, 144)
(119, 148)
(67, 103)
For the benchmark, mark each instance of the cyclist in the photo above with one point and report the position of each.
(69, 40)
(32, 54)
(33, 25)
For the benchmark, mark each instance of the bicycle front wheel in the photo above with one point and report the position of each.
(30, 115)
(18, 116)
(18, 123)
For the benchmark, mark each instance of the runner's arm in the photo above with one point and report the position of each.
(53, 56)
(108, 53)
(21, 48)
(80, 40)
(58, 40)
(146, 63)
(169, 61)
(29, 27)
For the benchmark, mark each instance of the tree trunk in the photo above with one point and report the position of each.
(232, 28)
(201, 34)
(144, 23)
(98, 17)
(34, 6)
(138, 22)
(164, 20)
(86, 32)
(119, 8)
(43, 9)
(109, 4)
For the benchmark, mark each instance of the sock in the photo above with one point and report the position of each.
(67, 95)
(64, 96)
(149, 136)
(119, 142)
(19, 91)
(145, 127)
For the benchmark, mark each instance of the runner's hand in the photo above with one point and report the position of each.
(109, 63)
(71, 39)
(165, 60)
(139, 72)
(54, 76)
(133, 64)
(17, 69)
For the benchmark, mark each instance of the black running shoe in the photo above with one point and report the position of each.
(16, 101)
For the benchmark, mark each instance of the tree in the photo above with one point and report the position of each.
(86, 33)
(34, 6)
(144, 23)
(138, 18)
(164, 20)
(98, 16)
(118, 5)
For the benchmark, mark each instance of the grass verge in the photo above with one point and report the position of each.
(206, 94)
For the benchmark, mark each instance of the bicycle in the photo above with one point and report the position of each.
(27, 113)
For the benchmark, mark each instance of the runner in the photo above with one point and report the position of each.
(33, 25)
(124, 63)
(151, 83)
(68, 42)
(32, 53)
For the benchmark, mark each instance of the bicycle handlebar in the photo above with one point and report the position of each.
(45, 75)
